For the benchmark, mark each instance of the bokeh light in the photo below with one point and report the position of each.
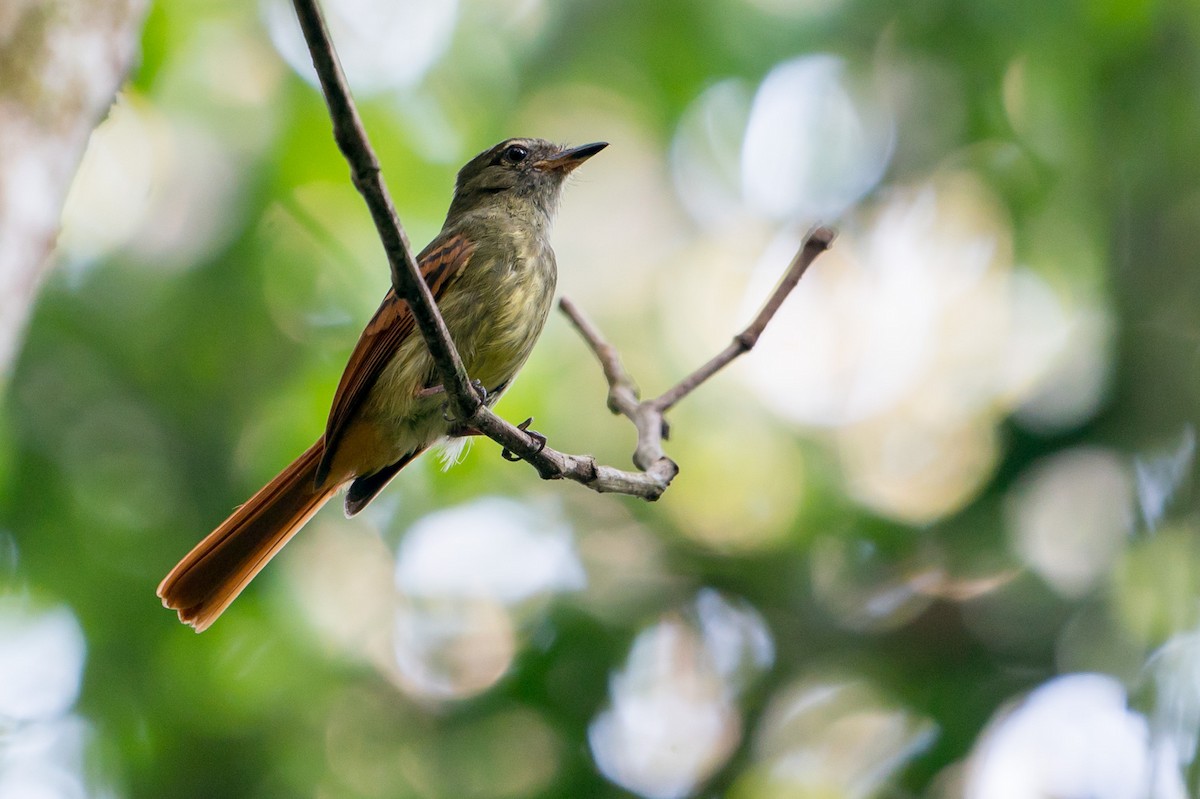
(493, 548)
(873, 321)
(451, 648)
(43, 745)
(706, 154)
(1175, 712)
(41, 662)
(817, 139)
(1154, 583)
(377, 749)
(832, 736)
(912, 340)
(463, 575)
(1073, 736)
(341, 580)
(157, 185)
(446, 624)
(382, 45)
(744, 510)
(1070, 517)
(672, 719)
(48, 761)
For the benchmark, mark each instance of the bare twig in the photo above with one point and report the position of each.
(648, 416)
(655, 469)
(622, 391)
(818, 241)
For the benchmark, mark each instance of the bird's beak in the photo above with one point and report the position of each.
(568, 159)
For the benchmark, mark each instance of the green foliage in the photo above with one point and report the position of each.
(898, 571)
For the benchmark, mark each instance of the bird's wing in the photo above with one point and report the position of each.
(440, 263)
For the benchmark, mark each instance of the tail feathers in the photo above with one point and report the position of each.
(212, 575)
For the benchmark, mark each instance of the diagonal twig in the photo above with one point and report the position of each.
(622, 391)
(816, 242)
(648, 415)
(351, 138)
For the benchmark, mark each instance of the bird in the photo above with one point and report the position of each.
(492, 273)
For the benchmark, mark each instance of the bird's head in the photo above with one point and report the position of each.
(518, 172)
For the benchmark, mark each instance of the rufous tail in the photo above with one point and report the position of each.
(211, 576)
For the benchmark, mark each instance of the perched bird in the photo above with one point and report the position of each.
(492, 272)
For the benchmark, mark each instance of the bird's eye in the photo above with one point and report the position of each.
(515, 154)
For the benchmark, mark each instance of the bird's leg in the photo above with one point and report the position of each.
(507, 454)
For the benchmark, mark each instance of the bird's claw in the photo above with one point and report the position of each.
(508, 455)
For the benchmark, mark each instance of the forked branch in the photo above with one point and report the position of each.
(648, 415)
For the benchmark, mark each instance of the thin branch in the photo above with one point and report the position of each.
(818, 241)
(648, 416)
(352, 140)
(622, 391)
(655, 469)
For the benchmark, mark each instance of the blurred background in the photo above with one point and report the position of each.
(936, 536)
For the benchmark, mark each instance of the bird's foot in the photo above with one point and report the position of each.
(508, 455)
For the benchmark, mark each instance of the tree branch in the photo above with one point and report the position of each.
(655, 469)
(351, 138)
(648, 416)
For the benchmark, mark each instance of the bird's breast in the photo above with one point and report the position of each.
(496, 312)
